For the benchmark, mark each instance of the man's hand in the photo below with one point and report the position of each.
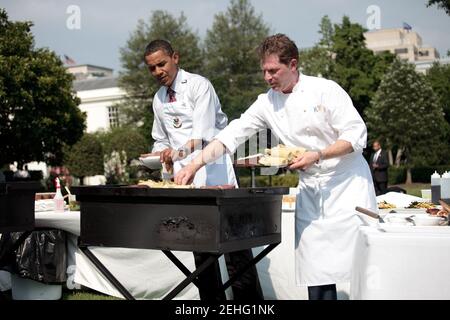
(166, 158)
(305, 160)
(186, 175)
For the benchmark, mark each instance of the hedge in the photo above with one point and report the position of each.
(418, 174)
(396, 176)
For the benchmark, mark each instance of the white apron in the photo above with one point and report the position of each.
(315, 115)
(327, 223)
(177, 119)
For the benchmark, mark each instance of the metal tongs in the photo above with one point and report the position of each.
(370, 214)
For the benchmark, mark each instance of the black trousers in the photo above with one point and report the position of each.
(325, 292)
(246, 288)
(380, 187)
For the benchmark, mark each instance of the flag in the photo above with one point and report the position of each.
(406, 26)
(68, 60)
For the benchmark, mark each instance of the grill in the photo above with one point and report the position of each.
(214, 221)
(17, 205)
(202, 220)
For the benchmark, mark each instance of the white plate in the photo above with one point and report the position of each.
(151, 162)
(428, 220)
(402, 211)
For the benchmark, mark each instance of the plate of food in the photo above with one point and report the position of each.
(280, 156)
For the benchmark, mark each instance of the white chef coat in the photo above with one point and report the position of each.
(316, 114)
(196, 114)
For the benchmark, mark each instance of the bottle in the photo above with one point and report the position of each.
(435, 187)
(445, 187)
(58, 199)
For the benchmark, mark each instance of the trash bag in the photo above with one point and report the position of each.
(41, 257)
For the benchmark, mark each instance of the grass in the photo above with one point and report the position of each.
(414, 188)
(83, 294)
(86, 294)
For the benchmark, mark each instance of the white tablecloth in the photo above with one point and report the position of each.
(401, 262)
(149, 274)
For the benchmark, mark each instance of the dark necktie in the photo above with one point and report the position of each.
(171, 94)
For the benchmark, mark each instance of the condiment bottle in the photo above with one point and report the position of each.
(435, 187)
(445, 187)
(58, 199)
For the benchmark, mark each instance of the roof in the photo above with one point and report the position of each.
(88, 65)
(95, 83)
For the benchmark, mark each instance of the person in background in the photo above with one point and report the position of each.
(379, 164)
(187, 115)
(318, 115)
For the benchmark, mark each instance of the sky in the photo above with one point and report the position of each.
(93, 31)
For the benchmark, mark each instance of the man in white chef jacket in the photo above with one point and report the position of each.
(316, 114)
(187, 114)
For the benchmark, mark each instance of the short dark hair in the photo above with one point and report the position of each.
(281, 45)
(157, 45)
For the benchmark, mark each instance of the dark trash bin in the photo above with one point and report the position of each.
(42, 256)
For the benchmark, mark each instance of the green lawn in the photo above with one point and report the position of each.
(414, 188)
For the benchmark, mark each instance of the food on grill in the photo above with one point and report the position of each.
(163, 184)
(420, 205)
(385, 205)
(280, 155)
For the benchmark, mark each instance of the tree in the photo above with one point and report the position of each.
(406, 113)
(341, 55)
(357, 69)
(85, 158)
(136, 79)
(318, 61)
(38, 109)
(439, 77)
(442, 4)
(232, 64)
(126, 139)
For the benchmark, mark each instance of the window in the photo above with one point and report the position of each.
(401, 50)
(423, 53)
(113, 113)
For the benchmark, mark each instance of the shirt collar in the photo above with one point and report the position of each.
(300, 82)
(176, 85)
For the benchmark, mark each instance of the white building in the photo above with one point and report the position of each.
(406, 44)
(99, 94)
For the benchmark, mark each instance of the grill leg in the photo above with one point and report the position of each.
(106, 273)
(180, 266)
(172, 294)
(254, 261)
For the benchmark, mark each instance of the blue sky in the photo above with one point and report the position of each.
(105, 25)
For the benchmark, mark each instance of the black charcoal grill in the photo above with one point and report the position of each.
(213, 221)
(17, 205)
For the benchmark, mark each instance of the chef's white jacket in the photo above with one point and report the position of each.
(316, 114)
(196, 114)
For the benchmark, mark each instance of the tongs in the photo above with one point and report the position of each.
(370, 214)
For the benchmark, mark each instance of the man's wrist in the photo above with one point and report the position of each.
(320, 156)
(183, 152)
